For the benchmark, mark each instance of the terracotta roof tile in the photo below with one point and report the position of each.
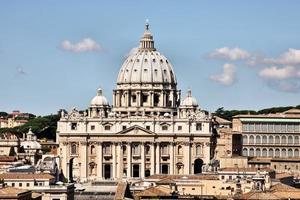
(8, 176)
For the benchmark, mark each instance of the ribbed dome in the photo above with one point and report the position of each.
(146, 65)
(99, 99)
(189, 100)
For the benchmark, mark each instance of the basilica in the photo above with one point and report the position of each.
(148, 129)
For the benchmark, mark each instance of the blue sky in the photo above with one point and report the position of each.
(232, 54)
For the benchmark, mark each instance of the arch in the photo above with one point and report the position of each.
(92, 168)
(198, 163)
(290, 153)
(251, 139)
(277, 152)
(264, 139)
(277, 140)
(245, 152)
(264, 152)
(258, 152)
(251, 152)
(245, 139)
(290, 139)
(283, 139)
(283, 152)
(258, 139)
(271, 152)
(179, 150)
(271, 139)
(296, 153)
(296, 140)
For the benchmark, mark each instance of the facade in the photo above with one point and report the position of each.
(271, 135)
(147, 130)
(16, 118)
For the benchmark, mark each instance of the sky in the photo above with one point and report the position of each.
(231, 54)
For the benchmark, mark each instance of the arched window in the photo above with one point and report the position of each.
(277, 153)
(124, 148)
(264, 139)
(147, 149)
(277, 139)
(271, 153)
(296, 153)
(290, 140)
(198, 149)
(106, 149)
(296, 141)
(245, 139)
(258, 139)
(245, 152)
(179, 150)
(73, 148)
(257, 152)
(283, 153)
(264, 152)
(290, 153)
(283, 140)
(271, 139)
(251, 139)
(93, 150)
(251, 152)
(164, 149)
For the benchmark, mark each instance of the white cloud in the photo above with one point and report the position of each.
(86, 44)
(21, 71)
(228, 77)
(276, 73)
(232, 54)
(291, 57)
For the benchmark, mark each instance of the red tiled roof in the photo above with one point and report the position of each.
(13, 176)
(187, 177)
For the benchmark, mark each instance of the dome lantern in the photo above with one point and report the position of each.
(147, 42)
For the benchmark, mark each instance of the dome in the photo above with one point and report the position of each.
(99, 99)
(189, 100)
(146, 65)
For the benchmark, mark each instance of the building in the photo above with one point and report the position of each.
(16, 118)
(147, 130)
(32, 148)
(270, 135)
(42, 183)
(12, 193)
(9, 144)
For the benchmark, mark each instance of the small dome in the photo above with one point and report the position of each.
(99, 99)
(189, 100)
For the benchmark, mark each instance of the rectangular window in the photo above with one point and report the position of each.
(148, 127)
(290, 127)
(164, 128)
(257, 127)
(20, 184)
(27, 184)
(264, 128)
(270, 127)
(92, 127)
(283, 128)
(251, 127)
(123, 127)
(73, 126)
(133, 98)
(198, 127)
(296, 128)
(277, 128)
(13, 184)
(179, 128)
(107, 127)
(245, 127)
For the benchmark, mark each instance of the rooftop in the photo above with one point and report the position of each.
(29, 176)
(184, 177)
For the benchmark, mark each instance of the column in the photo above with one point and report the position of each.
(171, 158)
(157, 158)
(120, 161)
(114, 98)
(152, 159)
(128, 147)
(142, 160)
(187, 164)
(114, 175)
(83, 160)
(99, 165)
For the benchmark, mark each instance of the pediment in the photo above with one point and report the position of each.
(135, 130)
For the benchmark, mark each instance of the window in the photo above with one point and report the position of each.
(277, 153)
(93, 150)
(264, 152)
(271, 139)
(165, 128)
(283, 128)
(27, 184)
(296, 153)
(290, 127)
(258, 152)
(245, 152)
(133, 98)
(222, 177)
(179, 128)
(123, 127)
(107, 127)
(290, 153)
(145, 98)
(73, 126)
(20, 184)
(106, 149)
(296, 141)
(135, 149)
(245, 139)
(148, 127)
(73, 148)
(270, 128)
(257, 127)
(264, 139)
(251, 139)
(147, 149)
(271, 153)
(283, 153)
(198, 149)
(290, 140)
(277, 128)
(264, 127)
(198, 127)
(245, 127)
(179, 152)
(92, 127)
(251, 152)
(13, 184)
(283, 140)
(251, 127)
(277, 139)
(258, 139)
(164, 149)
